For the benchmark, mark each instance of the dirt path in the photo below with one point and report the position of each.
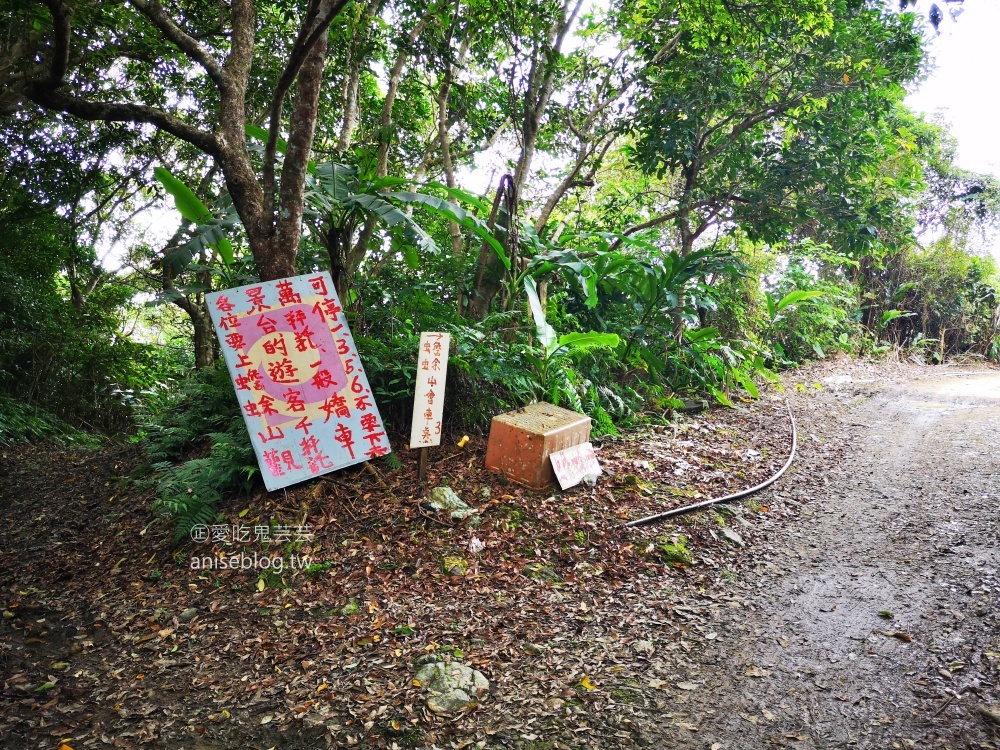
(765, 631)
(906, 527)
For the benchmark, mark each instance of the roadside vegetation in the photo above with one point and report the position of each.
(712, 194)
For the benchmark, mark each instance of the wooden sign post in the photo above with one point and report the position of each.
(428, 400)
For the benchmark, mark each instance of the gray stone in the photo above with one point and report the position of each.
(451, 685)
(188, 614)
(693, 405)
(446, 703)
(732, 536)
(444, 498)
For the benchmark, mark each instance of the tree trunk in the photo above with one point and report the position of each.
(490, 271)
(352, 81)
(350, 103)
(444, 137)
(338, 245)
(204, 338)
(359, 250)
(293, 174)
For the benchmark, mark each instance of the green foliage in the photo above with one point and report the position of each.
(602, 421)
(674, 550)
(198, 449)
(64, 350)
(755, 123)
(187, 203)
(551, 356)
(940, 300)
(314, 569)
(702, 361)
(487, 373)
(741, 310)
(794, 298)
(819, 316)
(25, 424)
(653, 301)
(890, 315)
(341, 196)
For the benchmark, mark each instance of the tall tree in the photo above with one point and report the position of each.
(769, 122)
(208, 68)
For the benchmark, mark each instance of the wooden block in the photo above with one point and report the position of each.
(521, 441)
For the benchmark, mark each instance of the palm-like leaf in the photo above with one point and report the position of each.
(211, 230)
(798, 297)
(546, 333)
(334, 188)
(211, 233)
(457, 214)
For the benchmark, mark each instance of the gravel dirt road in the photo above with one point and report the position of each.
(874, 624)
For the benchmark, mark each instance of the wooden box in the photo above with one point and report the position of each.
(521, 441)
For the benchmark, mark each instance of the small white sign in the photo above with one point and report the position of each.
(428, 401)
(573, 464)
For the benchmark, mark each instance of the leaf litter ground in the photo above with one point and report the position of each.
(584, 627)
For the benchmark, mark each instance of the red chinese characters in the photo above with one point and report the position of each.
(302, 388)
(256, 297)
(345, 436)
(287, 294)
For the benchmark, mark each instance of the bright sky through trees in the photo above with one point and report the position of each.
(962, 84)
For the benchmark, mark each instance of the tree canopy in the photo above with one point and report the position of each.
(663, 171)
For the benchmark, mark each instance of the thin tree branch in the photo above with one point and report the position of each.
(43, 95)
(186, 43)
(571, 177)
(657, 220)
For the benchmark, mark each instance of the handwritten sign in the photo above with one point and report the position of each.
(428, 401)
(573, 464)
(297, 374)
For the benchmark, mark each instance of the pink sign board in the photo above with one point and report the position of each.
(573, 464)
(298, 377)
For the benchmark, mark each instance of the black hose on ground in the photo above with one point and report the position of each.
(735, 496)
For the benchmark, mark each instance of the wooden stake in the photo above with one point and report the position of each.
(422, 465)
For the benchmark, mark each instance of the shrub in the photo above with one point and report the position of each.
(197, 448)
(22, 423)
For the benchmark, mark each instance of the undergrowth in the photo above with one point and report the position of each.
(197, 449)
(23, 423)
